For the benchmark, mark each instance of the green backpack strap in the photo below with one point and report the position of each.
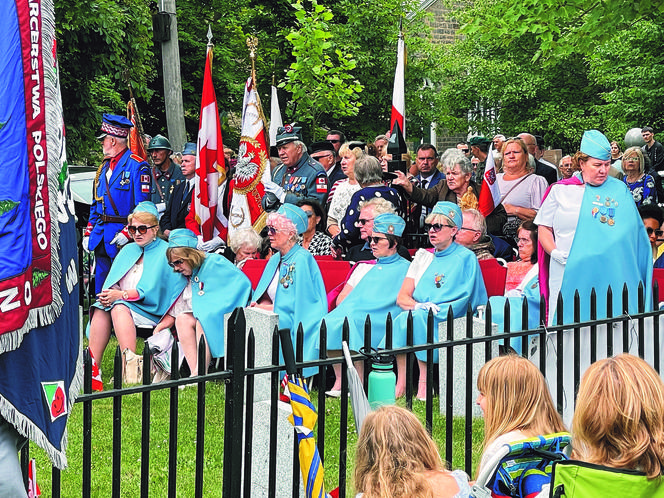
(575, 479)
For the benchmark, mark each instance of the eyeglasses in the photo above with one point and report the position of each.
(469, 229)
(325, 156)
(309, 213)
(177, 262)
(362, 221)
(375, 240)
(523, 240)
(650, 231)
(142, 229)
(436, 227)
(631, 159)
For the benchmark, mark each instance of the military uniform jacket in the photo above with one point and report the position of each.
(177, 208)
(164, 183)
(306, 179)
(128, 185)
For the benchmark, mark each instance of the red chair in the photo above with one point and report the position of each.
(324, 257)
(494, 276)
(253, 268)
(334, 273)
(658, 276)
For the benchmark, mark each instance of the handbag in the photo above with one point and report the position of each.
(132, 367)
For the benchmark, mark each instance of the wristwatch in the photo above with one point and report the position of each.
(125, 295)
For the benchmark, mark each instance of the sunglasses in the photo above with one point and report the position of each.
(273, 230)
(465, 151)
(375, 240)
(177, 262)
(142, 229)
(436, 227)
(333, 141)
(650, 231)
(362, 222)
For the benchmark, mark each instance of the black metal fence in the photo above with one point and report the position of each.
(638, 333)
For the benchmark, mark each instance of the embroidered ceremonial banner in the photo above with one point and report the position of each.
(210, 164)
(251, 168)
(136, 143)
(39, 333)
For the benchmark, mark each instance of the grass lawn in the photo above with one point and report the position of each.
(102, 447)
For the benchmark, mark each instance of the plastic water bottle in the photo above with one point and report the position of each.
(382, 381)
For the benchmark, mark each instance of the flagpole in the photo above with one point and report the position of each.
(210, 45)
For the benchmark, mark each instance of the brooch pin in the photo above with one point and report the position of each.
(438, 279)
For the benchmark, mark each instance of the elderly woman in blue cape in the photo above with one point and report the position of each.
(139, 289)
(215, 286)
(291, 285)
(590, 227)
(590, 236)
(450, 277)
(370, 290)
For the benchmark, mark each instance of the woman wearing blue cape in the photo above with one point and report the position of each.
(215, 286)
(139, 289)
(450, 277)
(591, 236)
(291, 285)
(372, 290)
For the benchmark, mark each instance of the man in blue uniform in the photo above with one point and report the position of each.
(166, 175)
(298, 175)
(122, 181)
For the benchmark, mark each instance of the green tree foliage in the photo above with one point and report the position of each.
(320, 79)
(99, 45)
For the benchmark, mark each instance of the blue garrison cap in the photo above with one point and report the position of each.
(182, 237)
(596, 145)
(189, 149)
(114, 125)
(390, 224)
(146, 207)
(296, 215)
(288, 133)
(450, 210)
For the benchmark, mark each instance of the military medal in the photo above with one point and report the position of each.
(200, 286)
(287, 279)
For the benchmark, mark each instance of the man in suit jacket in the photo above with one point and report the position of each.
(427, 177)
(180, 201)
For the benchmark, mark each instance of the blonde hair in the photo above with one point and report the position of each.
(147, 218)
(619, 416)
(635, 151)
(393, 454)
(193, 257)
(517, 398)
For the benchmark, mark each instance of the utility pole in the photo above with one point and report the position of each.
(170, 57)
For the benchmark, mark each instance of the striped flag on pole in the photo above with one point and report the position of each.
(210, 166)
(275, 117)
(398, 99)
(489, 192)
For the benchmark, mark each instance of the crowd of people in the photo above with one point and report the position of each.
(551, 227)
(561, 230)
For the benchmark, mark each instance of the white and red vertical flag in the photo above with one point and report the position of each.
(275, 117)
(251, 168)
(398, 98)
(210, 166)
(489, 192)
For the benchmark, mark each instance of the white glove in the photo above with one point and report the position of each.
(161, 207)
(86, 244)
(427, 306)
(210, 245)
(275, 189)
(120, 239)
(559, 256)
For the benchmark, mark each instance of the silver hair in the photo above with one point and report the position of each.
(380, 206)
(245, 237)
(454, 157)
(478, 221)
(368, 171)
